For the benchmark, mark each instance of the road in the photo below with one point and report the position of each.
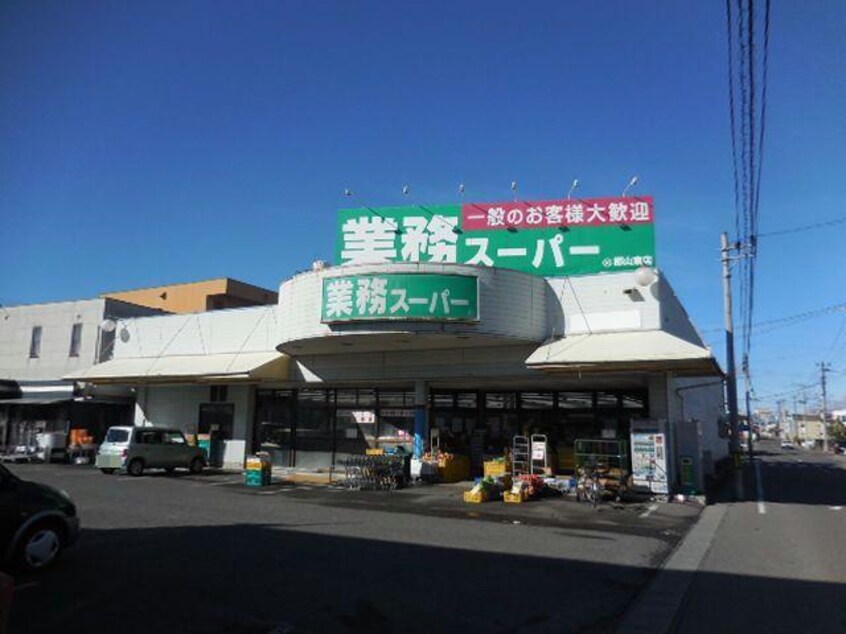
(777, 563)
(207, 555)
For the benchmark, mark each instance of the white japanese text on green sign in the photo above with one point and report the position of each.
(578, 242)
(400, 296)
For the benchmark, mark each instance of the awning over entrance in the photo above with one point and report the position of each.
(617, 351)
(201, 368)
(36, 400)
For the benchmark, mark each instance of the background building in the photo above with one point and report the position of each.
(39, 345)
(195, 297)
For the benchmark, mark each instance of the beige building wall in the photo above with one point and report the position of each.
(195, 297)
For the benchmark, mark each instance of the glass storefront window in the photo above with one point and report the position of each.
(396, 398)
(466, 400)
(314, 436)
(354, 432)
(501, 400)
(443, 399)
(345, 398)
(536, 400)
(575, 400)
(634, 401)
(316, 397)
(604, 400)
(397, 431)
(366, 398)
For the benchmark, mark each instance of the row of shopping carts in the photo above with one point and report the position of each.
(374, 473)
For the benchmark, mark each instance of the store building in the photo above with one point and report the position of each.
(39, 345)
(427, 327)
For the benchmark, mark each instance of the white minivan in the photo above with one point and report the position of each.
(135, 449)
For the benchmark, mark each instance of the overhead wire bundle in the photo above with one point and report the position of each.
(747, 113)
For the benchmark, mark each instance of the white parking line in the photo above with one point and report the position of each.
(272, 492)
(26, 586)
(762, 509)
(649, 510)
(835, 508)
(222, 482)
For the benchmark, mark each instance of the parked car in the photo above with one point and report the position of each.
(135, 449)
(786, 444)
(36, 523)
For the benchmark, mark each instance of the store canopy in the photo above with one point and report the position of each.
(207, 367)
(646, 350)
(36, 400)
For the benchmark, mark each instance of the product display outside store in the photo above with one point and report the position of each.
(400, 296)
(549, 238)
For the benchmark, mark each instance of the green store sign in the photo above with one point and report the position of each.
(400, 296)
(552, 238)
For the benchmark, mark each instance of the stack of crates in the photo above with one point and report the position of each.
(257, 473)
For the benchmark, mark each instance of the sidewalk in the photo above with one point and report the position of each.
(668, 521)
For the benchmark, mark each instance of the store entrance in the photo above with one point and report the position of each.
(273, 430)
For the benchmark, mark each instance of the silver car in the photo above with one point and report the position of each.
(135, 449)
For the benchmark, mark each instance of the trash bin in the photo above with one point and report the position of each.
(257, 471)
(213, 448)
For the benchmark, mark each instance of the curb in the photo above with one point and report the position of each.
(657, 608)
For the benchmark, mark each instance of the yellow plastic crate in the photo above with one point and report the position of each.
(475, 497)
(513, 498)
(493, 468)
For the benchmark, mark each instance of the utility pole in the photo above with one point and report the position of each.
(747, 382)
(781, 429)
(824, 367)
(731, 377)
(794, 409)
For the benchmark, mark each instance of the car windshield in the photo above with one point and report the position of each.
(117, 435)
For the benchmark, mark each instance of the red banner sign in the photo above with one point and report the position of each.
(585, 212)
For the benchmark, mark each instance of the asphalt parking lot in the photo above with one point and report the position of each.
(207, 554)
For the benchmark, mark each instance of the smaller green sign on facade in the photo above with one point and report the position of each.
(401, 296)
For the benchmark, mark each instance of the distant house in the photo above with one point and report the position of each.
(808, 428)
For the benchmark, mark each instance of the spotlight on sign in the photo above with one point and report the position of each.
(573, 187)
(631, 184)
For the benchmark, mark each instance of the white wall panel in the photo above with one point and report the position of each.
(56, 320)
(511, 304)
(597, 303)
(253, 329)
(172, 405)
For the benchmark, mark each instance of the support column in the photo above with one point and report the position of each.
(421, 416)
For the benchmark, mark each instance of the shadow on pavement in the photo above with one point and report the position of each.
(242, 579)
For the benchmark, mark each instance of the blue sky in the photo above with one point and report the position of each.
(158, 142)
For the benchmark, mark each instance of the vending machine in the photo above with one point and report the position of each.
(651, 455)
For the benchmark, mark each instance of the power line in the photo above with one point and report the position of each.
(732, 117)
(816, 225)
(809, 314)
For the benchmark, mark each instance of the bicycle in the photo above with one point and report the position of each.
(590, 487)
